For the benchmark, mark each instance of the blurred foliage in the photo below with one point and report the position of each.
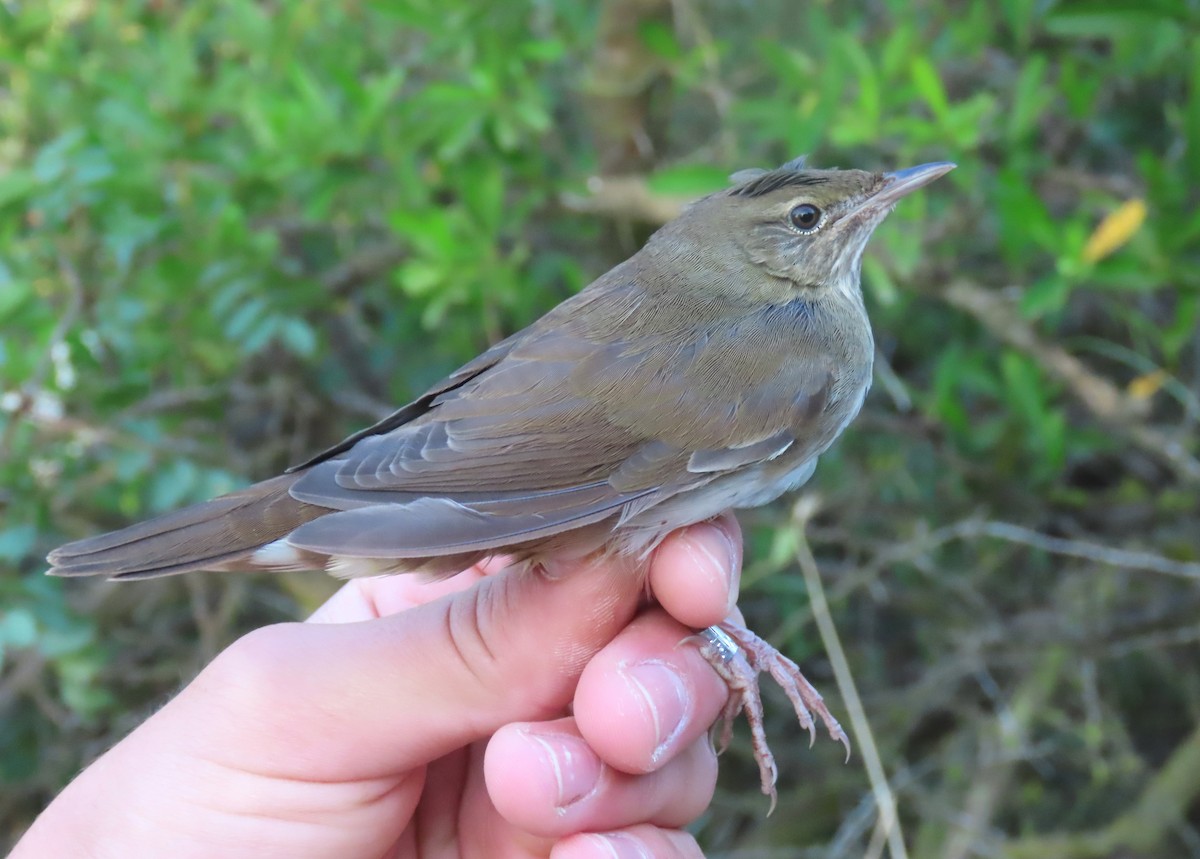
(232, 231)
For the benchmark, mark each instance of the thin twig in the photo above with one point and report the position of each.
(975, 528)
(891, 383)
(1108, 555)
(889, 821)
(364, 265)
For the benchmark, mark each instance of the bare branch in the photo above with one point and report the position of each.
(625, 197)
(365, 265)
(888, 829)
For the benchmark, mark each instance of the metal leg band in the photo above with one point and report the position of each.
(721, 642)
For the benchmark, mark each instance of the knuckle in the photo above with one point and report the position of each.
(469, 636)
(688, 785)
(249, 673)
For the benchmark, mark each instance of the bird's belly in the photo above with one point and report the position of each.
(750, 487)
(770, 483)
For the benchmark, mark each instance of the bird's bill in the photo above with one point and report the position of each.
(899, 183)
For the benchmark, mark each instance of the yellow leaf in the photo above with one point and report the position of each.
(1115, 229)
(1146, 385)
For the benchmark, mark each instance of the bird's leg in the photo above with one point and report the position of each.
(731, 664)
(806, 700)
(739, 656)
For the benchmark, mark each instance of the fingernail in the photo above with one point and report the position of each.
(731, 570)
(666, 699)
(618, 845)
(719, 554)
(573, 766)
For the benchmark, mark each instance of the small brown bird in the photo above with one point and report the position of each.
(707, 371)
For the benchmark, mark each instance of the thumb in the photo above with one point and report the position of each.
(380, 697)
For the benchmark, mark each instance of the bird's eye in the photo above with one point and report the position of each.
(806, 218)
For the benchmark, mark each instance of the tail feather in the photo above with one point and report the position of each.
(216, 534)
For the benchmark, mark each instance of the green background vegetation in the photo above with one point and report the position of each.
(233, 231)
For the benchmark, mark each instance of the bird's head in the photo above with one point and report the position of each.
(805, 229)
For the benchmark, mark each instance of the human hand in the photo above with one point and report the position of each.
(409, 719)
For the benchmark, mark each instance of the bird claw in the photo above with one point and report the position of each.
(733, 706)
(739, 656)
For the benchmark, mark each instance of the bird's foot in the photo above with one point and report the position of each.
(739, 656)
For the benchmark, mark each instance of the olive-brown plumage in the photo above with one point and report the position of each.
(708, 371)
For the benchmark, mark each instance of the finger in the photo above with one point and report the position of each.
(635, 842)
(647, 695)
(391, 594)
(367, 599)
(544, 779)
(696, 571)
(364, 700)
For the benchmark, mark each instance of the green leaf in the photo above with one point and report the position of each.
(18, 628)
(16, 542)
(1023, 387)
(1030, 98)
(16, 185)
(879, 281)
(867, 109)
(298, 336)
(1191, 114)
(172, 485)
(248, 316)
(1045, 295)
(418, 277)
(929, 86)
(660, 39)
(1113, 17)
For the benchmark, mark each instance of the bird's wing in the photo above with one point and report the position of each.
(553, 429)
(412, 411)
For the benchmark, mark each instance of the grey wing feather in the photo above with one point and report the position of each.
(431, 526)
(408, 413)
(730, 458)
